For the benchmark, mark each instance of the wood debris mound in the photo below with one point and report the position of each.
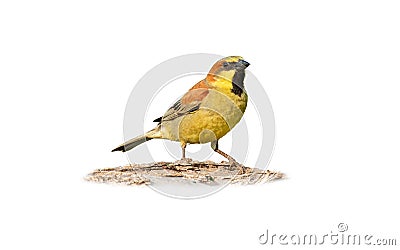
(207, 172)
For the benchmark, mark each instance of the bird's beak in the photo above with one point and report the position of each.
(244, 63)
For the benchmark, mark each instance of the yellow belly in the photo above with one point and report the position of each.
(202, 126)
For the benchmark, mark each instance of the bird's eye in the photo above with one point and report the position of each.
(225, 64)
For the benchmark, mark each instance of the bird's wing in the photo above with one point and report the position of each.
(189, 103)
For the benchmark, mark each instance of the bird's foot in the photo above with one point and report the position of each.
(184, 161)
(236, 165)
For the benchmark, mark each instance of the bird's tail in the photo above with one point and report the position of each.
(152, 134)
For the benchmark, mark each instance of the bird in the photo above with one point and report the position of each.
(206, 112)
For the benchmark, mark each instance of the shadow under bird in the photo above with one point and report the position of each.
(207, 112)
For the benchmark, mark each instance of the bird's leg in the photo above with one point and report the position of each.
(184, 159)
(214, 146)
(183, 145)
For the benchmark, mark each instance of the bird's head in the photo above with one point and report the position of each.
(228, 72)
(231, 68)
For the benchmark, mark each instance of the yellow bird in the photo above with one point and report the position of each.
(207, 112)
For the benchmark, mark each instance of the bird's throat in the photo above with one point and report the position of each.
(238, 83)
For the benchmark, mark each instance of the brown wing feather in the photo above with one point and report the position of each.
(194, 95)
(189, 103)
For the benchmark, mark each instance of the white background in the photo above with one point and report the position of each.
(330, 68)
